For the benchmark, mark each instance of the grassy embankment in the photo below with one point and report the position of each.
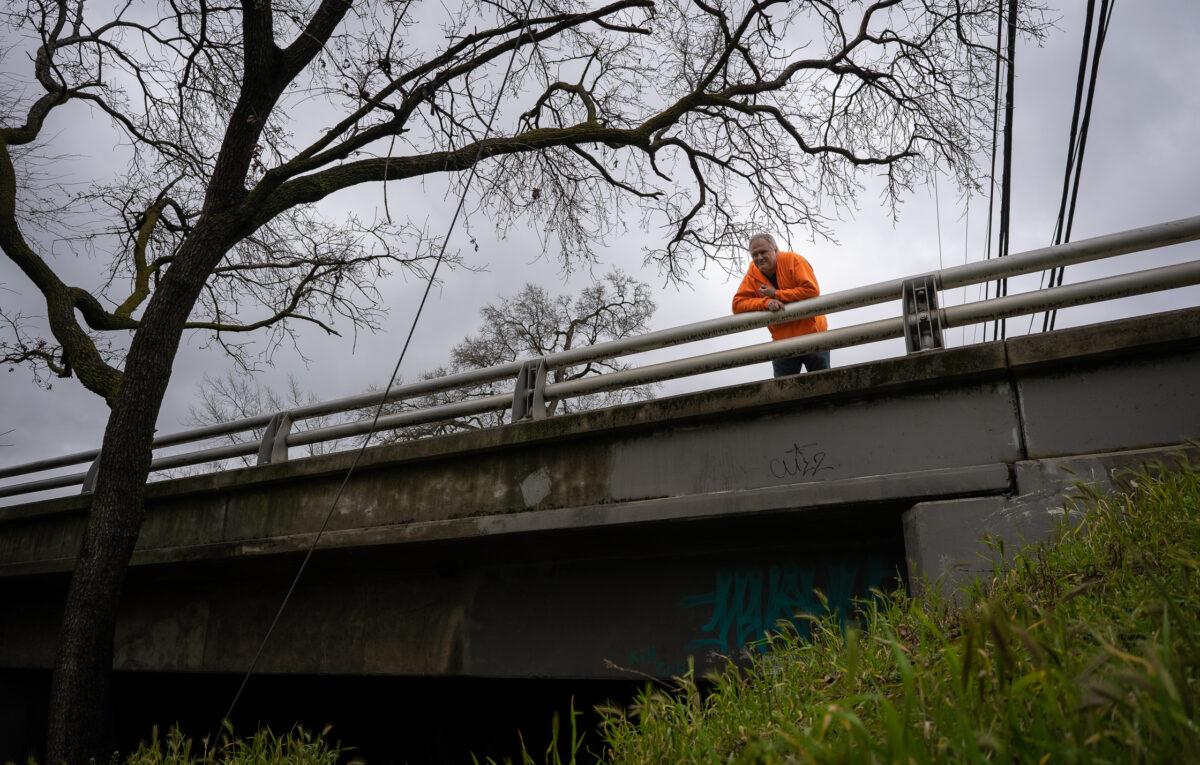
(1084, 651)
(1087, 651)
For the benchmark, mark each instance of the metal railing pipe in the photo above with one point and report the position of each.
(1082, 251)
(472, 377)
(212, 431)
(1093, 291)
(1096, 290)
(204, 455)
(859, 334)
(1110, 245)
(1080, 293)
(348, 403)
(162, 463)
(43, 484)
(409, 390)
(49, 463)
(403, 419)
(1096, 248)
(172, 439)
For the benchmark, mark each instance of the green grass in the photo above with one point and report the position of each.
(1084, 651)
(297, 747)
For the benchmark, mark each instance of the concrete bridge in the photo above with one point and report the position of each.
(623, 540)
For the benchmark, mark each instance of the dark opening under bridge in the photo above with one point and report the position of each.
(628, 539)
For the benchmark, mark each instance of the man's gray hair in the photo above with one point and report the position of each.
(762, 235)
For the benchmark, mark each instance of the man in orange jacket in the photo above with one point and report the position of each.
(775, 278)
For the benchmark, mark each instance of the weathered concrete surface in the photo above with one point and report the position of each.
(604, 604)
(946, 540)
(786, 441)
(545, 547)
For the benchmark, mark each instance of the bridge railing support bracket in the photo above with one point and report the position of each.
(273, 447)
(529, 394)
(89, 480)
(922, 316)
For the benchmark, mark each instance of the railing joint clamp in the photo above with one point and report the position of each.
(273, 447)
(529, 393)
(922, 317)
(89, 480)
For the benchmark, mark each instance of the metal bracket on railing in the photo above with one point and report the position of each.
(89, 480)
(922, 317)
(273, 447)
(529, 395)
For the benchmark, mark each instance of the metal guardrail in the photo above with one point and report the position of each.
(921, 326)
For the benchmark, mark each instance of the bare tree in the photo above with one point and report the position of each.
(236, 118)
(529, 324)
(235, 395)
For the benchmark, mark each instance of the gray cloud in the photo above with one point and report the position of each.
(1141, 167)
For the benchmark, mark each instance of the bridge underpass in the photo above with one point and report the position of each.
(622, 541)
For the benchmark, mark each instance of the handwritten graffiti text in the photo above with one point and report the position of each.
(800, 461)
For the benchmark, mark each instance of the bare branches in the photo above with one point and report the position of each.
(535, 323)
(232, 396)
(528, 324)
(302, 269)
(710, 118)
(78, 352)
(18, 349)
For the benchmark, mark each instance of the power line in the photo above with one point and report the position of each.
(984, 287)
(962, 332)
(1056, 276)
(937, 214)
(999, 327)
(1072, 137)
(391, 380)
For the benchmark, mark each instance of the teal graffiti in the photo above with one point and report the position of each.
(748, 601)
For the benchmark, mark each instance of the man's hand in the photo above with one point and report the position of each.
(774, 305)
(767, 291)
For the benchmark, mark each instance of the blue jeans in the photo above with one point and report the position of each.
(811, 362)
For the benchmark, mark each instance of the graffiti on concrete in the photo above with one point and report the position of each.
(746, 602)
(801, 461)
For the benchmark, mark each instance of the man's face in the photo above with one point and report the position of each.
(764, 254)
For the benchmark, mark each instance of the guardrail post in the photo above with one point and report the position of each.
(273, 447)
(89, 480)
(922, 317)
(529, 394)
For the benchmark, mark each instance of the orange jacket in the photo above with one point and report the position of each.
(796, 282)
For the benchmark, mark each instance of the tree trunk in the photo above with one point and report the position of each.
(80, 719)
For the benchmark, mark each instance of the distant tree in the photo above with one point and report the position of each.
(231, 120)
(529, 324)
(533, 323)
(234, 396)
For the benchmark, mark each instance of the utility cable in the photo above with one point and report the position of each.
(999, 327)
(1106, 11)
(984, 287)
(962, 332)
(391, 381)
(1072, 138)
(937, 215)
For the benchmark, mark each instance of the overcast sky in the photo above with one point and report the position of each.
(1142, 167)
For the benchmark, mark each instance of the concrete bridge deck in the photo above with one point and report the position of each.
(625, 539)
